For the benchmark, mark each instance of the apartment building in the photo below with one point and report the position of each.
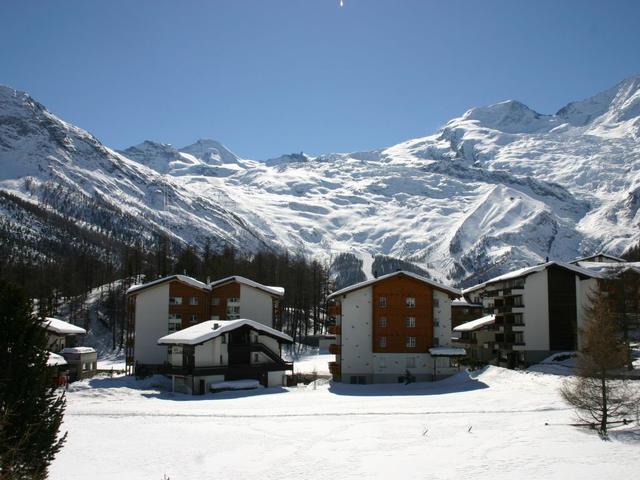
(392, 327)
(538, 310)
(172, 303)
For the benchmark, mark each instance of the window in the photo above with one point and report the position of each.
(436, 341)
(224, 338)
(411, 342)
(436, 303)
(518, 337)
(382, 322)
(256, 358)
(411, 362)
(382, 301)
(194, 301)
(233, 300)
(233, 312)
(175, 322)
(175, 300)
(215, 317)
(383, 342)
(517, 319)
(215, 301)
(410, 322)
(465, 310)
(194, 318)
(517, 301)
(410, 302)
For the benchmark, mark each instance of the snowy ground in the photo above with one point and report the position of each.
(491, 426)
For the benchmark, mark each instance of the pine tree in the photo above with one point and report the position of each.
(31, 409)
(599, 398)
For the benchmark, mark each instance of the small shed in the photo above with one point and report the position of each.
(83, 362)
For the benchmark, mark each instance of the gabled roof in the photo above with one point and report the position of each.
(61, 327)
(475, 324)
(462, 302)
(523, 272)
(600, 254)
(274, 291)
(366, 283)
(181, 278)
(606, 269)
(205, 331)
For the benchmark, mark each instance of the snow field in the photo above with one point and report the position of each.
(119, 428)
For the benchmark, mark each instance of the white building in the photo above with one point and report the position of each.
(538, 310)
(172, 303)
(224, 350)
(386, 327)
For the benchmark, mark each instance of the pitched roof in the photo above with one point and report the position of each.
(275, 291)
(606, 269)
(181, 278)
(599, 254)
(462, 302)
(523, 272)
(205, 331)
(61, 327)
(366, 283)
(475, 324)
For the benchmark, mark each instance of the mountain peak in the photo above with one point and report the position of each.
(211, 152)
(510, 116)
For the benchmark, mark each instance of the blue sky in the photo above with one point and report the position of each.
(271, 77)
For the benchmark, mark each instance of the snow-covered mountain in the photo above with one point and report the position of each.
(499, 187)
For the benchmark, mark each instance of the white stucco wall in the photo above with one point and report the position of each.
(442, 318)
(536, 311)
(276, 379)
(256, 305)
(208, 354)
(152, 322)
(357, 357)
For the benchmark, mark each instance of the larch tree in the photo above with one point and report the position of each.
(599, 396)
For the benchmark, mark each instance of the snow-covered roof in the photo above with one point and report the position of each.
(276, 291)
(600, 254)
(205, 331)
(63, 328)
(78, 350)
(606, 269)
(181, 278)
(523, 272)
(55, 360)
(366, 283)
(475, 324)
(462, 302)
(447, 352)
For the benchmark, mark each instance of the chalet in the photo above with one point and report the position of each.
(225, 350)
(391, 327)
(61, 334)
(538, 310)
(599, 258)
(176, 302)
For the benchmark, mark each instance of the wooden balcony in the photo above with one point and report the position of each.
(335, 329)
(334, 369)
(335, 349)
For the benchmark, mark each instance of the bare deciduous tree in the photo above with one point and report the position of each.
(598, 396)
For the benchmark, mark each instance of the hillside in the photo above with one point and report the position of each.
(499, 187)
